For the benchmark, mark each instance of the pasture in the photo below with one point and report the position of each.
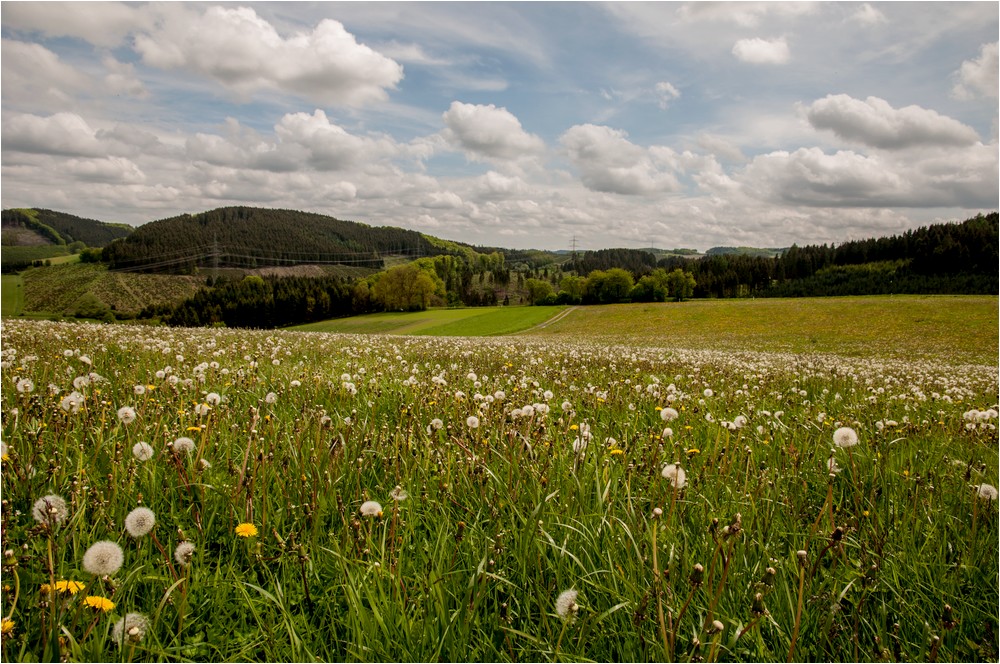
(469, 322)
(610, 487)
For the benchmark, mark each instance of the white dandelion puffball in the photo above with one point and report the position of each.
(668, 414)
(183, 553)
(213, 399)
(845, 437)
(675, 475)
(708, 393)
(271, 397)
(566, 606)
(184, 444)
(371, 508)
(131, 628)
(399, 494)
(140, 521)
(126, 415)
(472, 422)
(51, 509)
(103, 558)
(987, 492)
(142, 451)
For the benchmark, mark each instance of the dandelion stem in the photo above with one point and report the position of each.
(798, 613)
(658, 582)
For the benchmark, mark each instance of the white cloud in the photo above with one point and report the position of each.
(34, 78)
(609, 162)
(121, 78)
(867, 16)
(979, 77)
(666, 93)
(243, 52)
(874, 122)
(489, 132)
(103, 24)
(60, 134)
(762, 51)
(748, 14)
(115, 170)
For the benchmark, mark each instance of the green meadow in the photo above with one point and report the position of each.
(786, 480)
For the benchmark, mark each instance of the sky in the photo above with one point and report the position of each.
(519, 125)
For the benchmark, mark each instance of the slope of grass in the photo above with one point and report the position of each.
(961, 329)
(11, 295)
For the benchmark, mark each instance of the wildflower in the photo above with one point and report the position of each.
(69, 587)
(142, 451)
(371, 508)
(668, 414)
(472, 422)
(580, 444)
(693, 451)
(25, 385)
(566, 606)
(126, 415)
(184, 444)
(51, 510)
(183, 553)
(246, 530)
(140, 521)
(832, 466)
(435, 424)
(668, 432)
(202, 409)
(675, 475)
(103, 558)
(213, 399)
(6, 626)
(845, 437)
(132, 627)
(987, 492)
(3, 451)
(708, 393)
(71, 402)
(271, 397)
(139, 390)
(99, 603)
(399, 494)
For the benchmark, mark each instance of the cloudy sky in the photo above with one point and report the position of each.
(515, 125)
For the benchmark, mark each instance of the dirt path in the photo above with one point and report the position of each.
(558, 317)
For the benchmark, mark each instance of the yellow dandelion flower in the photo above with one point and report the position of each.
(617, 451)
(693, 451)
(574, 427)
(194, 428)
(70, 587)
(6, 626)
(246, 530)
(99, 603)
(44, 588)
(688, 427)
(865, 513)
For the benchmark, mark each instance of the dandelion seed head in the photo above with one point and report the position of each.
(566, 606)
(472, 422)
(845, 437)
(184, 444)
(126, 415)
(371, 508)
(987, 492)
(183, 553)
(673, 473)
(142, 451)
(668, 414)
(399, 494)
(140, 521)
(132, 628)
(51, 509)
(103, 558)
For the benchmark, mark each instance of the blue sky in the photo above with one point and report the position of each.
(511, 124)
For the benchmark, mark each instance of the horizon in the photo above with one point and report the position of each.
(512, 125)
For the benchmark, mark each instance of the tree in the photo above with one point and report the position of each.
(654, 287)
(572, 289)
(538, 290)
(607, 287)
(680, 284)
(404, 288)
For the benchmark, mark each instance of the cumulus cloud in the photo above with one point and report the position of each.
(246, 54)
(875, 123)
(34, 77)
(666, 93)
(104, 24)
(748, 14)
(121, 78)
(489, 132)
(979, 77)
(867, 16)
(759, 51)
(609, 162)
(115, 170)
(966, 178)
(60, 134)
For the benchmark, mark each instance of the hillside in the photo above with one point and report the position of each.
(33, 226)
(255, 237)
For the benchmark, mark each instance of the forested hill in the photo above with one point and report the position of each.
(61, 228)
(255, 237)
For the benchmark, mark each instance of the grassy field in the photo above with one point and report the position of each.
(473, 322)
(230, 495)
(11, 295)
(957, 329)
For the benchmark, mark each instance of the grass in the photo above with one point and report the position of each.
(530, 467)
(480, 321)
(12, 298)
(959, 328)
